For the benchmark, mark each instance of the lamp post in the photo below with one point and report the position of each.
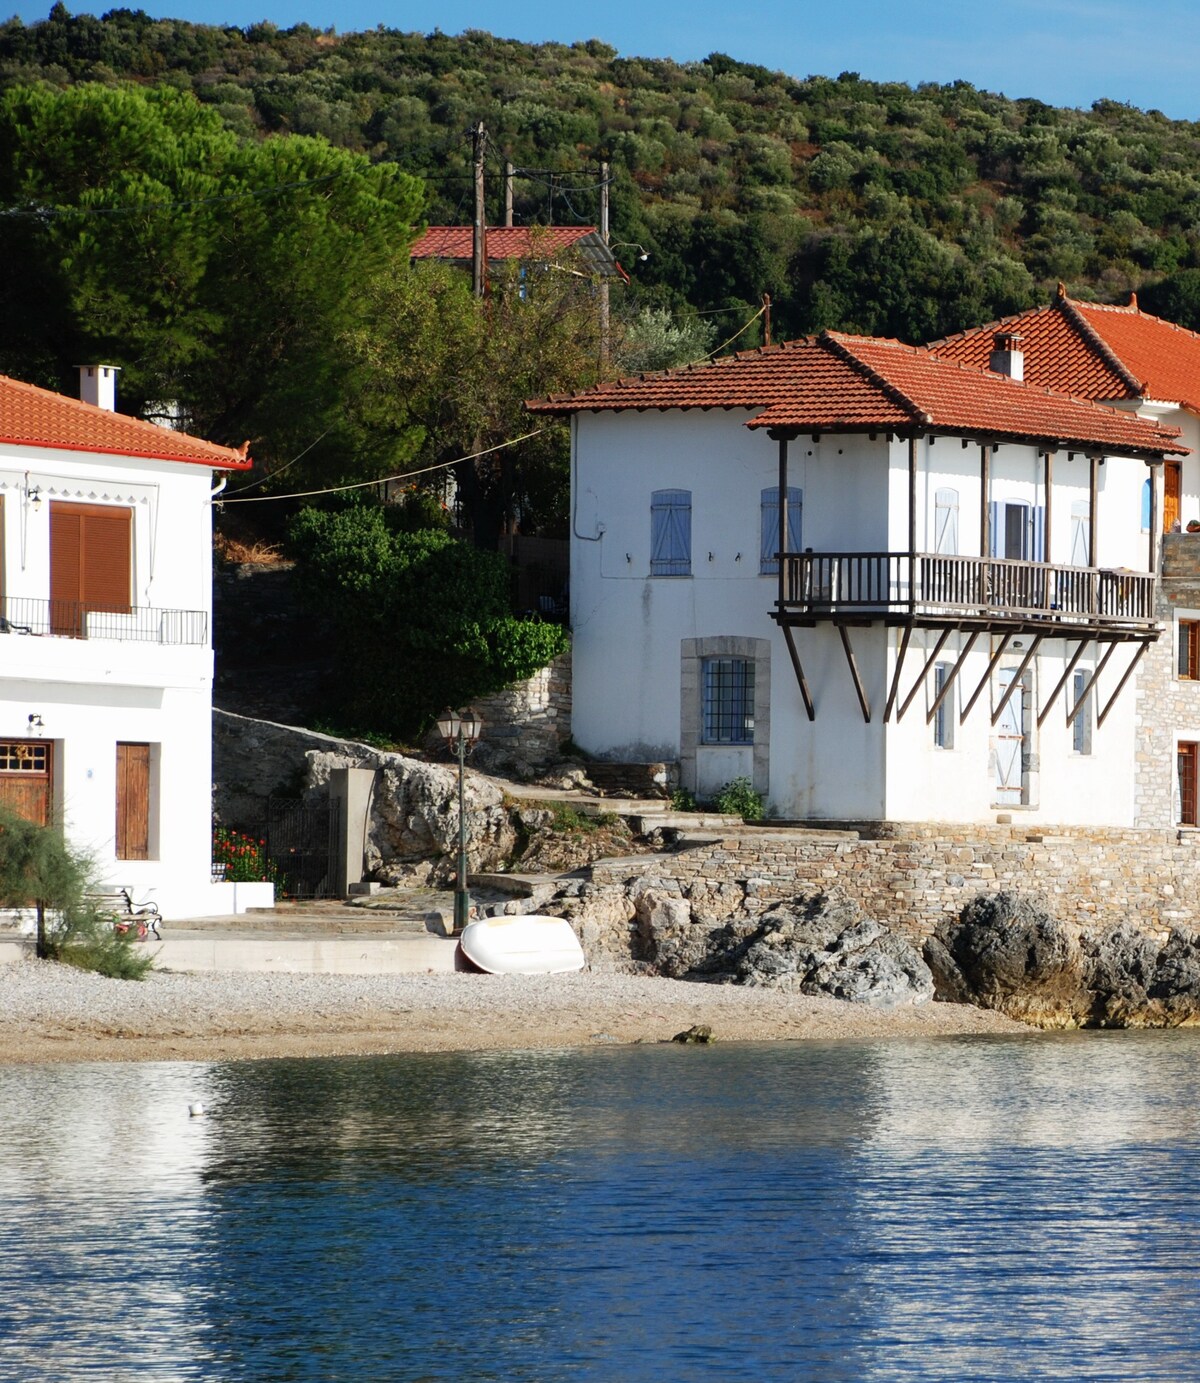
(460, 730)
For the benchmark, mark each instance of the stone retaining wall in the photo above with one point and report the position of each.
(526, 724)
(919, 875)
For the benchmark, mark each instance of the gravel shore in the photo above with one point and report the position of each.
(53, 1013)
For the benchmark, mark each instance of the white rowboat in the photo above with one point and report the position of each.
(524, 945)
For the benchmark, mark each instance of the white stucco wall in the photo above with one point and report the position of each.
(93, 693)
(627, 625)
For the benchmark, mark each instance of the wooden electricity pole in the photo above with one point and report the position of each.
(479, 225)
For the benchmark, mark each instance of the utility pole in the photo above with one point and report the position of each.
(508, 182)
(766, 301)
(479, 226)
(604, 332)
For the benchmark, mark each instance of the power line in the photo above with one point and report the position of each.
(383, 479)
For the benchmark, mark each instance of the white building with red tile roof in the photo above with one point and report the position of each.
(106, 659)
(964, 593)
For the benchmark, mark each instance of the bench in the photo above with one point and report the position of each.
(143, 917)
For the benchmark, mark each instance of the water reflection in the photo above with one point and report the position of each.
(944, 1209)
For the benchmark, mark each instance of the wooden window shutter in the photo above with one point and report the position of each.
(91, 562)
(133, 801)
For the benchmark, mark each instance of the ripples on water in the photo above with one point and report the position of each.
(951, 1209)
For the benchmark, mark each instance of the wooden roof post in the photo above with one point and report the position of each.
(985, 485)
(912, 522)
(783, 510)
(1093, 495)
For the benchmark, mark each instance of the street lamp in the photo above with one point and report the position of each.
(460, 730)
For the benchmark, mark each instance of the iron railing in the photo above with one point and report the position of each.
(927, 584)
(74, 619)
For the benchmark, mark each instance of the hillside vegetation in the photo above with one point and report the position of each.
(855, 204)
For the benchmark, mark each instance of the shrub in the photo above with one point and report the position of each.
(244, 857)
(738, 798)
(683, 801)
(39, 869)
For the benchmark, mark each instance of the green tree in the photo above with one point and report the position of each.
(419, 619)
(219, 272)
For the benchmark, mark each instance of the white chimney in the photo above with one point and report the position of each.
(98, 385)
(1007, 357)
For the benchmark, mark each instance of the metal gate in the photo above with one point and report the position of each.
(300, 845)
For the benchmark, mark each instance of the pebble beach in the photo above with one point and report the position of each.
(51, 1012)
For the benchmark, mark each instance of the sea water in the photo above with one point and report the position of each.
(984, 1208)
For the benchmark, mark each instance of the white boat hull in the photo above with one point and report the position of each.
(523, 945)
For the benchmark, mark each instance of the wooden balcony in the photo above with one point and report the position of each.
(929, 590)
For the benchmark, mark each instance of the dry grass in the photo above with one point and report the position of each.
(235, 550)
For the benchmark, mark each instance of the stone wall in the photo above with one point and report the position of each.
(1167, 709)
(525, 724)
(919, 875)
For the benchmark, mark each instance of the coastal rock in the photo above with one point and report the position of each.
(1006, 953)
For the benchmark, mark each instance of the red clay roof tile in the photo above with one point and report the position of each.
(841, 383)
(1095, 351)
(503, 242)
(35, 417)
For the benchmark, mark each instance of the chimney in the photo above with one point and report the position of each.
(98, 385)
(1007, 357)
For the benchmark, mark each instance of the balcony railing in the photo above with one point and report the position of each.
(829, 584)
(72, 619)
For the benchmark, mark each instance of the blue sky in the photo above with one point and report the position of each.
(1065, 52)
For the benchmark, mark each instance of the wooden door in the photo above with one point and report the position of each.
(1172, 472)
(25, 778)
(133, 802)
(1010, 745)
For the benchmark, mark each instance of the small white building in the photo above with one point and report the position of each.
(106, 660)
(964, 593)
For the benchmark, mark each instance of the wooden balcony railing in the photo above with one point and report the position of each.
(72, 619)
(836, 584)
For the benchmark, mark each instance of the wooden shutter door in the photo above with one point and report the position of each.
(133, 801)
(91, 556)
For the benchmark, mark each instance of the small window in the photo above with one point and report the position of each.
(1081, 721)
(945, 523)
(728, 701)
(1187, 662)
(1186, 760)
(769, 526)
(671, 533)
(943, 717)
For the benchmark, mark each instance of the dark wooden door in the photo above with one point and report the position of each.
(1171, 488)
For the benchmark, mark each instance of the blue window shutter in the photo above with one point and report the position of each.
(1039, 534)
(995, 529)
(671, 533)
(769, 525)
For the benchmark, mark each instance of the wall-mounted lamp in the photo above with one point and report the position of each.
(35, 722)
(1016, 643)
(35, 498)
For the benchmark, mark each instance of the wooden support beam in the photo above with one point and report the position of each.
(1073, 711)
(985, 485)
(1016, 681)
(949, 682)
(987, 676)
(783, 514)
(1062, 681)
(1093, 500)
(920, 682)
(800, 677)
(895, 687)
(854, 673)
(1128, 673)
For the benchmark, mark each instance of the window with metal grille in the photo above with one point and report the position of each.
(1186, 756)
(769, 526)
(671, 533)
(1187, 666)
(728, 701)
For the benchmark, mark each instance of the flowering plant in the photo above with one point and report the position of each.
(244, 857)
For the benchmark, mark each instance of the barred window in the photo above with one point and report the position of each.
(728, 701)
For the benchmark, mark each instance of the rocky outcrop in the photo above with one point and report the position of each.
(1009, 954)
(819, 943)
